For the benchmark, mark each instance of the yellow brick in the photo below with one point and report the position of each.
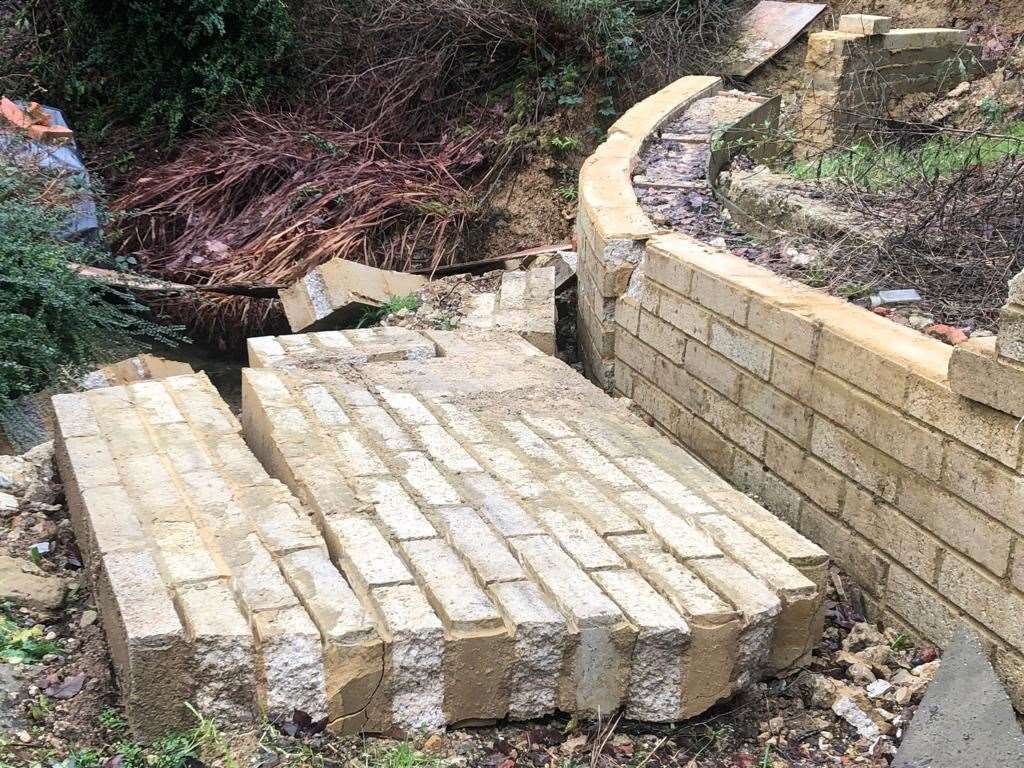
(792, 375)
(962, 527)
(878, 425)
(978, 373)
(855, 459)
(985, 429)
(775, 409)
(720, 296)
(852, 362)
(706, 443)
(674, 381)
(634, 353)
(662, 337)
(685, 315)
(822, 485)
(714, 370)
(743, 348)
(783, 500)
(1009, 665)
(655, 403)
(891, 532)
(920, 606)
(623, 380)
(627, 314)
(983, 597)
(733, 422)
(854, 554)
(1017, 566)
(645, 116)
(667, 270)
(786, 327)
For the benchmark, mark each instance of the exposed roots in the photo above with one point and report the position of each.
(266, 198)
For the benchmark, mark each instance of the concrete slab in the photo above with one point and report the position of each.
(966, 717)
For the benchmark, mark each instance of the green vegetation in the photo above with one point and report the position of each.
(878, 168)
(54, 323)
(164, 63)
(901, 642)
(400, 756)
(19, 645)
(393, 305)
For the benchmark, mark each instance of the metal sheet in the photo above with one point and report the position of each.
(768, 28)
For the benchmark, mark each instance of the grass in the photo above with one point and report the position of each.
(399, 756)
(393, 305)
(877, 168)
(20, 645)
(901, 642)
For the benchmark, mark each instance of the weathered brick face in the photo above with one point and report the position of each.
(403, 539)
(852, 73)
(845, 426)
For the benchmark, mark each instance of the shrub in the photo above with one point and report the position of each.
(54, 323)
(170, 64)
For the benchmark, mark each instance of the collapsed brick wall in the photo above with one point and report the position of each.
(855, 71)
(842, 423)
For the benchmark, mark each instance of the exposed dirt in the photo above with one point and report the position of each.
(525, 210)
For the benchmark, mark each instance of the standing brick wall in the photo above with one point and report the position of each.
(844, 425)
(610, 227)
(841, 422)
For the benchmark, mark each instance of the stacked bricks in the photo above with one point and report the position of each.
(525, 546)
(213, 584)
(524, 303)
(339, 349)
(990, 369)
(854, 71)
(28, 421)
(844, 425)
(858, 432)
(611, 228)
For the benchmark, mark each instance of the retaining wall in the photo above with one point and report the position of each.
(841, 422)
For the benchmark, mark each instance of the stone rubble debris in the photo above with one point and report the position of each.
(340, 291)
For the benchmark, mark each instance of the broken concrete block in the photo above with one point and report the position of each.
(864, 24)
(524, 304)
(966, 717)
(340, 291)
